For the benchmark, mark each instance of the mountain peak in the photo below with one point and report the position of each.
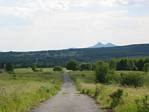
(101, 45)
(110, 44)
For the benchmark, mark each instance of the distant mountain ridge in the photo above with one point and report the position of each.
(101, 45)
(60, 57)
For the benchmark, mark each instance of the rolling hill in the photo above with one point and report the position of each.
(60, 57)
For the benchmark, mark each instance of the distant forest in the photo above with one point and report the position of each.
(60, 57)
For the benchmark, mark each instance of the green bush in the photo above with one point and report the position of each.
(116, 98)
(132, 79)
(112, 65)
(34, 68)
(143, 105)
(57, 68)
(146, 67)
(85, 66)
(72, 65)
(9, 68)
(102, 70)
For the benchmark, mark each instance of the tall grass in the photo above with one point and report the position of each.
(25, 89)
(86, 84)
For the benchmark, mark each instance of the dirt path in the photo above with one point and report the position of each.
(68, 100)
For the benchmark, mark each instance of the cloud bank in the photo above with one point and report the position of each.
(58, 24)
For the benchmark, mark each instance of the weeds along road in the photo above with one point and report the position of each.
(68, 100)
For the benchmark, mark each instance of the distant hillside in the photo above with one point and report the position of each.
(101, 45)
(59, 57)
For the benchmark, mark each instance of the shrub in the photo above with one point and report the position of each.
(132, 79)
(143, 105)
(112, 65)
(97, 92)
(85, 66)
(102, 70)
(116, 98)
(146, 67)
(72, 65)
(57, 68)
(9, 68)
(34, 68)
(1, 71)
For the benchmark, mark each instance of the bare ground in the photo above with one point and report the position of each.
(68, 100)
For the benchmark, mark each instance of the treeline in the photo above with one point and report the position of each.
(128, 64)
(138, 64)
(123, 64)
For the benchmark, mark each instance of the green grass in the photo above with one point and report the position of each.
(24, 89)
(85, 82)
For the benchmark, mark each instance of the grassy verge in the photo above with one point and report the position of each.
(25, 89)
(85, 82)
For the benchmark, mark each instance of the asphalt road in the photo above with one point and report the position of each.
(68, 100)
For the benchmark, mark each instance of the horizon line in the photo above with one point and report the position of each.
(71, 48)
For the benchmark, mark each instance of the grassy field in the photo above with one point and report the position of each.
(21, 91)
(85, 82)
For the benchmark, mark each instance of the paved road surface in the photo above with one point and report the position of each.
(68, 100)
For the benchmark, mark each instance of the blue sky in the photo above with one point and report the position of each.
(59, 24)
(7, 1)
(11, 21)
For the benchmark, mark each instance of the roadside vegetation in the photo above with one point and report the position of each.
(125, 90)
(118, 85)
(23, 89)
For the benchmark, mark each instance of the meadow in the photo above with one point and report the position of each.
(133, 99)
(24, 89)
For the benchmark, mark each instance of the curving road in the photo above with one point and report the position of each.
(68, 100)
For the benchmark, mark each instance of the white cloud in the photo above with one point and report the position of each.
(54, 25)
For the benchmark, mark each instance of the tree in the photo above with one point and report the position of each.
(140, 64)
(72, 65)
(2, 65)
(85, 66)
(9, 67)
(131, 65)
(146, 67)
(102, 70)
(112, 65)
(122, 64)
